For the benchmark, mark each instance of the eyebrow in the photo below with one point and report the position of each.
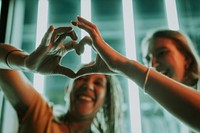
(99, 78)
(160, 48)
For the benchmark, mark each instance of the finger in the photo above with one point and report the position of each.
(61, 70)
(88, 23)
(46, 39)
(59, 31)
(82, 20)
(69, 46)
(86, 40)
(85, 27)
(72, 34)
(60, 39)
(79, 48)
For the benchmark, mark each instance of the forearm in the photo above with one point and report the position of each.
(111, 57)
(177, 98)
(121, 64)
(180, 100)
(11, 57)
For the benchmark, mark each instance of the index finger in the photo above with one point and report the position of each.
(81, 19)
(67, 31)
(72, 34)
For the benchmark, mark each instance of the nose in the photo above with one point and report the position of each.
(88, 85)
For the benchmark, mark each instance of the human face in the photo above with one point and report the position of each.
(164, 56)
(88, 95)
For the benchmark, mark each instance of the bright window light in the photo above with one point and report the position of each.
(129, 35)
(42, 21)
(0, 7)
(86, 57)
(172, 16)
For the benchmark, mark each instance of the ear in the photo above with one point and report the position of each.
(188, 61)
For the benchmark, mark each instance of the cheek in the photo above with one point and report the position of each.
(72, 94)
(177, 68)
(101, 96)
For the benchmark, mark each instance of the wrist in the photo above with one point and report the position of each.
(15, 59)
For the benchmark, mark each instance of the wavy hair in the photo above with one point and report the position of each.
(109, 118)
(184, 44)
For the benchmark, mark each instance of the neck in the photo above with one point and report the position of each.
(77, 125)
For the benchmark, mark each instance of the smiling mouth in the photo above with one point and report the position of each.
(85, 98)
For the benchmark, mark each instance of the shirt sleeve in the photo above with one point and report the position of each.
(37, 116)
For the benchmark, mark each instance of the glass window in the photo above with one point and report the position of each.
(108, 16)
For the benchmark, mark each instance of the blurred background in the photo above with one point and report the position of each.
(122, 23)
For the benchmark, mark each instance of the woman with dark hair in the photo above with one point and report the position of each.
(172, 84)
(95, 100)
(109, 118)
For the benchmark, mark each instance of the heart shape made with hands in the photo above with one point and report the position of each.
(80, 47)
(96, 66)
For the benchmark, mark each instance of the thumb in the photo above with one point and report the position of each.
(61, 70)
(80, 47)
(47, 37)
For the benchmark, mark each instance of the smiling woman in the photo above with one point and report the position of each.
(95, 100)
(173, 54)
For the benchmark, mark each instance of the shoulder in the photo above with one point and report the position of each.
(38, 109)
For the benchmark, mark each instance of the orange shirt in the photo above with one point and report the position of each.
(39, 118)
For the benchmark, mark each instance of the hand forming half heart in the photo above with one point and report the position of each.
(97, 66)
(47, 57)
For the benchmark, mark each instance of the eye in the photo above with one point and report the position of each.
(99, 83)
(161, 53)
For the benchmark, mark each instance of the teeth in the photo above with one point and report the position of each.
(85, 98)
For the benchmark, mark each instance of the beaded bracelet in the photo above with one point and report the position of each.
(146, 79)
(6, 58)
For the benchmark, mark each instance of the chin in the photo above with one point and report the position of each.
(84, 112)
(84, 116)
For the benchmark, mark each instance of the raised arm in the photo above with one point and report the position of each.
(45, 60)
(180, 100)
